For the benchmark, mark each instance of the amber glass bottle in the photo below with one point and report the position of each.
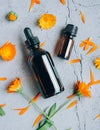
(66, 41)
(43, 67)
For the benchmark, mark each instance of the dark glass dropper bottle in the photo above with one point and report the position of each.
(43, 67)
(66, 41)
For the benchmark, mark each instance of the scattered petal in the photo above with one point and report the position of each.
(3, 78)
(97, 62)
(38, 119)
(32, 4)
(91, 76)
(47, 21)
(74, 61)
(92, 50)
(42, 44)
(63, 2)
(22, 110)
(36, 97)
(15, 86)
(8, 51)
(72, 104)
(71, 96)
(83, 17)
(98, 116)
(12, 16)
(3, 105)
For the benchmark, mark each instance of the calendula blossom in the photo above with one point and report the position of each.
(15, 86)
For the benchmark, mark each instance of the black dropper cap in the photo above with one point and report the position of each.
(31, 41)
(70, 30)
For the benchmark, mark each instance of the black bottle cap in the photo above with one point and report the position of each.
(32, 41)
(70, 30)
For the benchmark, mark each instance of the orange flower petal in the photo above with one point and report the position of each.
(72, 104)
(38, 119)
(3, 78)
(71, 96)
(92, 50)
(98, 116)
(63, 2)
(36, 97)
(33, 2)
(91, 76)
(74, 61)
(83, 17)
(86, 47)
(3, 105)
(42, 44)
(22, 110)
(8, 51)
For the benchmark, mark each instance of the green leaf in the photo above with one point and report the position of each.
(46, 126)
(41, 123)
(2, 113)
(52, 110)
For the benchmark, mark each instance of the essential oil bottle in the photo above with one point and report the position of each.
(66, 41)
(43, 67)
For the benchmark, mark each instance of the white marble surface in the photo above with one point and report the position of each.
(80, 117)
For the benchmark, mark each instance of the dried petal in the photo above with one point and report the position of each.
(92, 50)
(97, 62)
(63, 2)
(3, 105)
(71, 96)
(98, 116)
(34, 2)
(3, 78)
(42, 44)
(74, 61)
(83, 17)
(91, 76)
(36, 97)
(38, 119)
(22, 110)
(72, 104)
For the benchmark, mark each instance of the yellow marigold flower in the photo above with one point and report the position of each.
(97, 62)
(8, 51)
(23, 110)
(15, 86)
(47, 21)
(12, 16)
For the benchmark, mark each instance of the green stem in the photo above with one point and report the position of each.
(60, 108)
(40, 110)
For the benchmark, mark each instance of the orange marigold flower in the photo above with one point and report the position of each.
(15, 86)
(8, 51)
(47, 21)
(83, 89)
(23, 110)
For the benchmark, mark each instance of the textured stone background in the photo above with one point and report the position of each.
(80, 117)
